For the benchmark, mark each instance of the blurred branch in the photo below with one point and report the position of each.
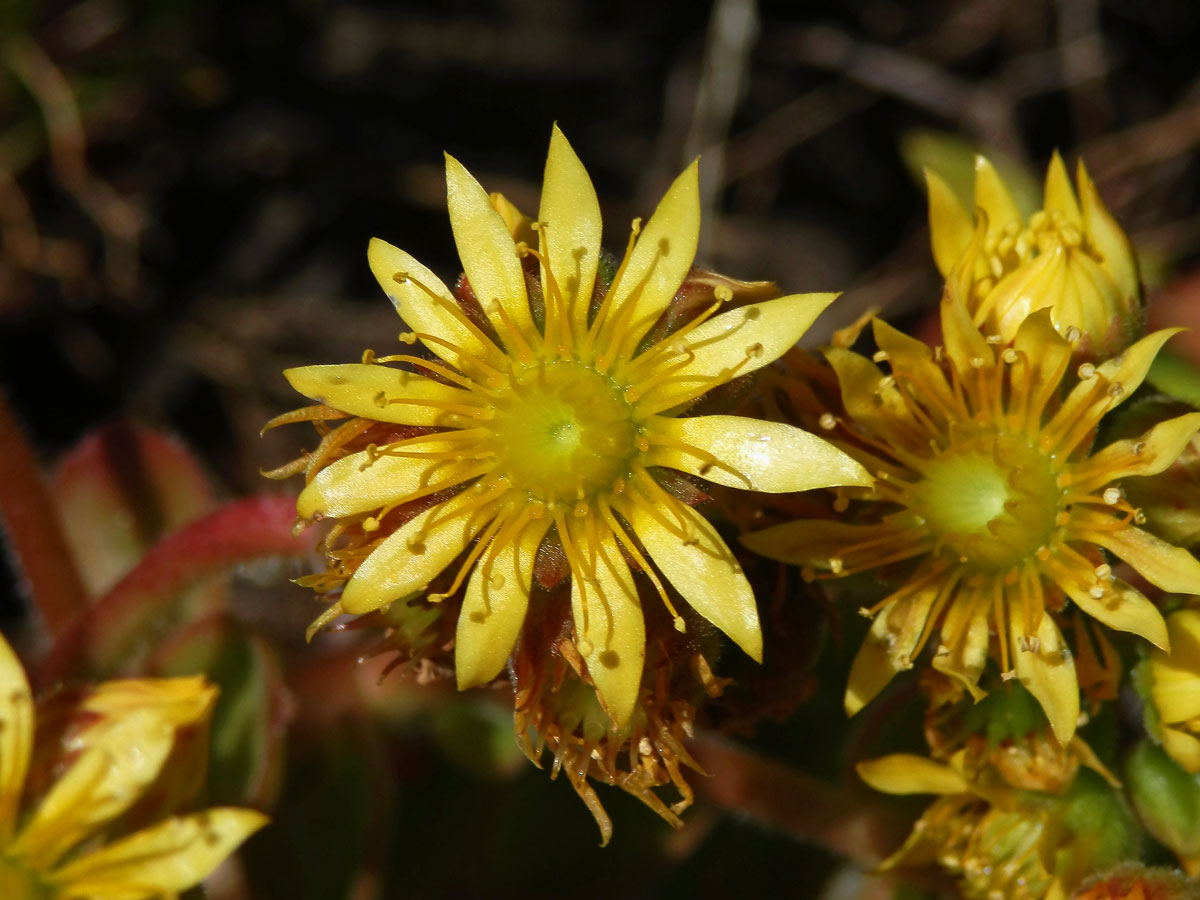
(34, 534)
(119, 222)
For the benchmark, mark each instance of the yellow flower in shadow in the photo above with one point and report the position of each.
(1070, 257)
(987, 488)
(544, 405)
(1175, 688)
(50, 849)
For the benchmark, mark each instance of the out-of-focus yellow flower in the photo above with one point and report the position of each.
(986, 484)
(1070, 257)
(546, 407)
(1175, 688)
(996, 836)
(49, 850)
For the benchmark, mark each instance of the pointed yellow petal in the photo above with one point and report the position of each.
(751, 454)
(704, 571)
(170, 857)
(102, 783)
(1125, 373)
(1039, 284)
(408, 284)
(906, 773)
(1175, 687)
(570, 215)
(733, 343)
(1164, 565)
(1150, 454)
(660, 260)
(409, 559)
(494, 607)
(16, 736)
(950, 225)
(1059, 193)
(810, 542)
(992, 196)
(1182, 747)
(964, 343)
(610, 632)
(872, 401)
(964, 648)
(913, 360)
(888, 646)
(382, 393)
(1041, 348)
(486, 249)
(182, 701)
(1046, 670)
(358, 483)
(1107, 238)
(1122, 608)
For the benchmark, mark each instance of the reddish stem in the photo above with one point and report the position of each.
(845, 821)
(31, 523)
(239, 531)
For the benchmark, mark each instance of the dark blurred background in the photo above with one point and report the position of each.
(187, 187)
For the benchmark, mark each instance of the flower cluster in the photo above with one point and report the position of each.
(118, 755)
(522, 497)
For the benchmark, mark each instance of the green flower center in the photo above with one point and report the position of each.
(564, 432)
(992, 500)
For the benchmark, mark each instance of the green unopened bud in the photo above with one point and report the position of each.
(1167, 800)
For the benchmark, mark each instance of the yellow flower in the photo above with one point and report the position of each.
(987, 488)
(1175, 689)
(1071, 257)
(50, 851)
(545, 408)
(997, 839)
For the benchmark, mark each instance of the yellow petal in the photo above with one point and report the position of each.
(811, 542)
(906, 773)
(992, 196)
(950, 226)
(408, 284)
(411, 557)
(494, 606)
(1107, 238)
(1182, 747)
(486, 249)
(731, 344)
(912, 360)
(384, 394)
(16, 736)
(570, 217)
(102, 783)
(1059, 193)
(1039, 284)
(170, 857)
(703, 570)
(1041, 349)
(751, 454)
(872, 401)
(1175, 687)
(1046, 670)
(660, 260)
(964, 343)
(964, 649)
(1164, 565)
(889, 645)
(1125, 373)
(181, 701)
(1150, 454)
(1122, 608)
(358, 483)
(610, 632)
